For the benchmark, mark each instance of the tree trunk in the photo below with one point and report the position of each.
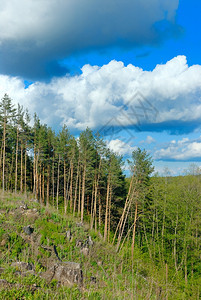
(53, 181)
(119, 226)
(109, 213)
(79, 196)
(76, 186)
(134, 230)
(40, 184)
(99, 210)
(58, 183)
(106, 208)
(92, 205)
(71, 185)
(16, 160)
(21, 179)
(34, 172)
(25, 170)
(83, 193)
(48, 185)
(4, 155)
(43, 186)
(65, 206)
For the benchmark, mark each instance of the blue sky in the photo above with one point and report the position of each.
(130, 69)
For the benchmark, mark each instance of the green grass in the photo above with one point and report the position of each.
(116, 276)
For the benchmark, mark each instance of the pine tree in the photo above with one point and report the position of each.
(7, 115)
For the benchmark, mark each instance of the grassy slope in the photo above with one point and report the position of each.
(115, 276)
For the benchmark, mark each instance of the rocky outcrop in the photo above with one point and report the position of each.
(67, 273)
(28, 230)
(22, 266)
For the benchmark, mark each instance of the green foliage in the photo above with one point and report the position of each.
(83, 177)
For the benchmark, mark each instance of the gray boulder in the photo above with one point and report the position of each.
(68, 235)
(67, 273)
(22, 266)
(28, 230)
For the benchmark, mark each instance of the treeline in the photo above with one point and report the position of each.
(158, 217)
(81, 176)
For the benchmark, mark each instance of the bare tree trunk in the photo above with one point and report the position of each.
(96, 184)
(43, 186)
(99, 210)
(79, 197)
(58, 183)
(34, 171)
(68, 190)
(4, 155)
(48, 185)
(11, 173)
(92, 205)
(37, 175)
(16, 159)
(119, 226)
(40, 184)
(71, 185)
(21, 179)
(53, 181)
(76, 186)
(109, 214)
(134, 230)
(1, 159)
(106, 209)
(88, 205)
(83, 193)
(65, 206)
(25, 170)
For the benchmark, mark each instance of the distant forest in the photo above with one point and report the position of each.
(158, 218)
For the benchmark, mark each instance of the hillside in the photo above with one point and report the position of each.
(34, 239)
(26, 257)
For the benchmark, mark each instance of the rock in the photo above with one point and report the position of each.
(80, 224)
(24, 206)
(3, 243)
(93, 279)
(67, 273)
(85, 251)
(99, 263)
(4, 284)
(22, 266)
(88, 243)
(34, 200)
(68, 235)
(79, 243)
(28, 230)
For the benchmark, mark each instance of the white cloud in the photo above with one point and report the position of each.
(121, 147)
(149, 140)
(170, 95)
(182, 150)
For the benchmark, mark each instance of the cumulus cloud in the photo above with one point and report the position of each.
(182, 150)
(149, 140)
(35, 34)
(114, 95)
(120, 147)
